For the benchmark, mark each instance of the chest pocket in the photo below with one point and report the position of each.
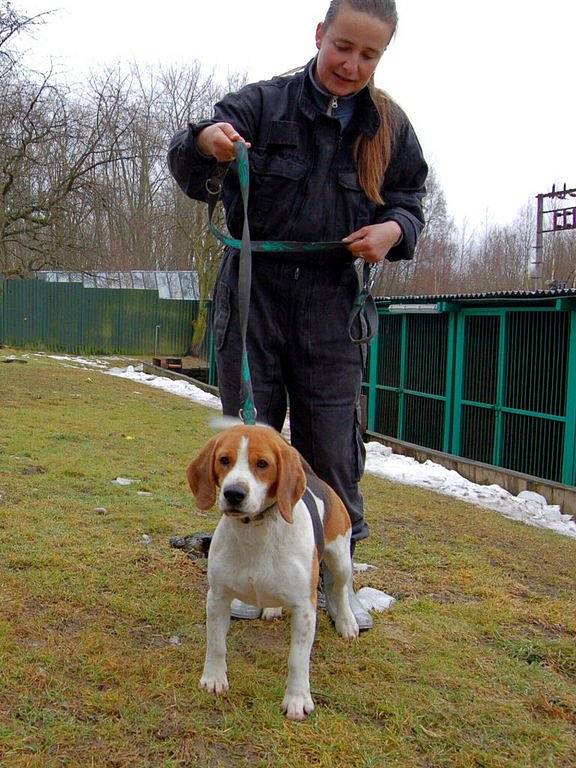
(277, 172)
(283, 133)
(356, 207)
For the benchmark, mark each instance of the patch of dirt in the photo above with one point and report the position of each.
(33, 471)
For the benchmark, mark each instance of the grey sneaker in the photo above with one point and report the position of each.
(240, 610)
(363, 618)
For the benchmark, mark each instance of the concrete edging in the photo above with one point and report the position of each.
(487, 474)
(157, 371)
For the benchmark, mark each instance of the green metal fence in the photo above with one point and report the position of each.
(492, 380)
(66, 317)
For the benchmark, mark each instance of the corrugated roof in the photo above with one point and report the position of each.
(556, 293)
(169, 284)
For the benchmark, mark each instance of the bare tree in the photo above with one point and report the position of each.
(500, 259)
(434, 267)
(52, 142)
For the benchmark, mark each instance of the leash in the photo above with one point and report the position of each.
(317, 526)
(364, 305)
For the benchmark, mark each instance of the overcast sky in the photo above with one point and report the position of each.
(488, 86)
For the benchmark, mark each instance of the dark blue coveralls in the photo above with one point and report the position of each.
(303, 186)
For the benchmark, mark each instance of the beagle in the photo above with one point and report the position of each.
(264, 550)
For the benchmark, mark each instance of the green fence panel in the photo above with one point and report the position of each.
(25, 314)
(66, 317)
(176, 321)
(98, 321)
(569, 466)
(134, 321)
(63, 317)
(494, 384)
(512, 399)
(409, 383)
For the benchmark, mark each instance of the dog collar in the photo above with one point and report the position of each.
(257, 518)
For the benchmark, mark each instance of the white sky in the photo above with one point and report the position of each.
(488, 85)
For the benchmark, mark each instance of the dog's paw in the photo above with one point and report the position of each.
(297, 707)
(347, 627)
(214, 683)
(269, 614)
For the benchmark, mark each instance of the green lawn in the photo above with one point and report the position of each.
(102, 635)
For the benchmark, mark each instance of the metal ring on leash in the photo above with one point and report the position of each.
(241, 414)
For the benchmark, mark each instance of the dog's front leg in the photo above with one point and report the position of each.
(297, 699)
(214, 677)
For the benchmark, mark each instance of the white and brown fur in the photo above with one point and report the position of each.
(263, 551)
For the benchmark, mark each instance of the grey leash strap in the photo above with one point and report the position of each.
(248, 409)
(312, 507)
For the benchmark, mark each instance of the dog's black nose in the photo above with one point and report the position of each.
(235, 495)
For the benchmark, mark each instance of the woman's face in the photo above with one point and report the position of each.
(349, 50)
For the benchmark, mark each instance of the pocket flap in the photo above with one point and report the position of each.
(269, 165)
(349, 180)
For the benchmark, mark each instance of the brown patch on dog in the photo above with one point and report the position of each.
(336, 518)
(290, 481)
(314, 577)
(201, 476)
(337, 521)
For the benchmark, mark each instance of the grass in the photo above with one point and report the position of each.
(102, 635)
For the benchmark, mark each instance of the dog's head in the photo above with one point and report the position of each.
(250, 468)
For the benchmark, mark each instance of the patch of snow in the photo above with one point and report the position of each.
(179, 388)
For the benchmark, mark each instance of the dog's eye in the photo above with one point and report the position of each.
(261, 463)
(224, 460)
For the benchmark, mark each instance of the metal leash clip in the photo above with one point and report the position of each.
(216, 183)
(250, 417)
(375, 270)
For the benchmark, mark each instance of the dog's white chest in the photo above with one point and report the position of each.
(266, 564)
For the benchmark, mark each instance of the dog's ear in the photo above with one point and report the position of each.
(201, 476)
(290, 481)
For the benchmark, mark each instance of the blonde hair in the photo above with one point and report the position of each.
(373, 153)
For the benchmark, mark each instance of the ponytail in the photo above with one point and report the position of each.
(373, 153)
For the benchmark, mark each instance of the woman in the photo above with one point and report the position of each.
(331, 158)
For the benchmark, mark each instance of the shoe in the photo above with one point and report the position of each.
(195, 545)
(240, 610)
(363, 618)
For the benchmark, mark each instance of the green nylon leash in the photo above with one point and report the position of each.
(364, 306)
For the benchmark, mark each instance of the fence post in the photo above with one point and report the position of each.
(502, 375)
(156, 334)
(451, 368)
(373, 378)
(568, 468)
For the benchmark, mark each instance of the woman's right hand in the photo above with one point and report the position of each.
(217, 141)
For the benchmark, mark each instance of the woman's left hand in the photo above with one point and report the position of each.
(373, 242)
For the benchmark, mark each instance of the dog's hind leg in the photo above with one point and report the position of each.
(337, 584)
(214, 678)
(297, 703)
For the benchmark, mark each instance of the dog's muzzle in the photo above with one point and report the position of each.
(235, 496)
